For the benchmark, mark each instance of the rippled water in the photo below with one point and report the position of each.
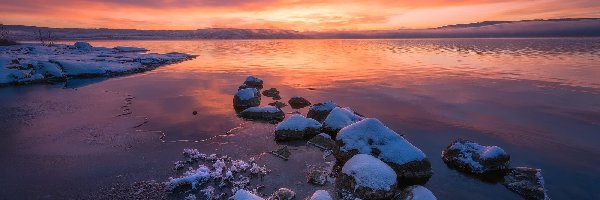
(539, 99)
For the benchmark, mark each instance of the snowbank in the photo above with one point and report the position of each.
(370, 136)
(367, 177)
(297, 127)
(28, 63)
(471, 157)
(339, 118)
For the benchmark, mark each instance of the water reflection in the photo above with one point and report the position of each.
(537, 98)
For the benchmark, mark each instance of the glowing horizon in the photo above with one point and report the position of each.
(283, 14)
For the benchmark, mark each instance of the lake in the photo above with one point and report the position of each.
(537, 98)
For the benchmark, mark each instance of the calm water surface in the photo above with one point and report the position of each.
(539, 99)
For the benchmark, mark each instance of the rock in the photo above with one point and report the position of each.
(320, 195)
(297, 127)
(83, 45)
(468, 156)
(264, 113)
(339, 118)
(283, 194)
(252, 81)
(323, 141)
(272, 92)
(320, 111)
(282, 152)
(298, 102)
(244, 86)
(245, 98)
(194, 112)
(527, 182)
(367, 177)
(317, 176)
(370, 136)
(278, 104)
(245, 195)
(415, 192)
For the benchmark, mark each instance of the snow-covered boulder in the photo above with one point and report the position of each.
(264, 113)
(320, 195)
(339, 118)
(282, 194)
(245, 195)
(367, 177)
(252, 81)
(528, 182)
(245, 98)
(297, 102)
(130, 49)
(297, 127)
(320, 111)
(415, 192)
(370, 136)
(468, 156)
(83, 46)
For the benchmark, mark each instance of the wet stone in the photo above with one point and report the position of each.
(322, 141)
(282, 152)
(298, 102)
(527, 182)
(272, 92)
(283, 194)
(278, 104)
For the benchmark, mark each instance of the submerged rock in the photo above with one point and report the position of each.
(339, 118)
(370, 136)
(298, 102)
(282, 152)
(471, 157)
(278, 104)
(245, 195)
(367, 177)
(272, 92)
(265, 113)
(252, 81)
(528, 182)
(320, 111)
(415, 192)
(323, 141)
(317, 176)
(283, 194)
(320, 195)
(297, 127)
(245, 98)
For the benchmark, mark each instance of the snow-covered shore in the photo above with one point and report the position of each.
(37, 63)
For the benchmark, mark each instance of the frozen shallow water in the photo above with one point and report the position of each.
(538, 99)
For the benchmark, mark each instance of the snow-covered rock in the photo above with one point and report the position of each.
(266, 113)
(471, 157)
(297, 102)
(245, 98)
(130, 49)
(190, 180)
(416, 192)
(320, 111)
(339, 118)
(367, 177)
(30, 63)
(528, 182)
(83, 46)
(320, 195)
(283, 194)
(245, 195)
(370, 136)
(297, 127)
(252, 81)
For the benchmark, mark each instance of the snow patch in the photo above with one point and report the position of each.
(298, 122)
(340, 118)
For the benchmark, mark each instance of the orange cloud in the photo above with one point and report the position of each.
(299, 15)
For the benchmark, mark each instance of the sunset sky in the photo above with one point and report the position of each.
(298, 15)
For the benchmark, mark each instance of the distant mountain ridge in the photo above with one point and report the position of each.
(565, 27)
